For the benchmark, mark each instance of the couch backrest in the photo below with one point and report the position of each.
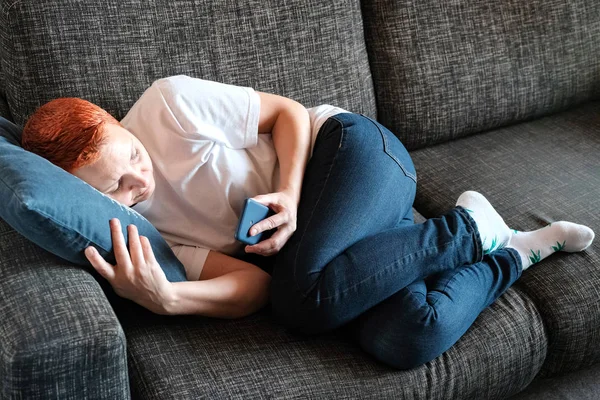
(444, 69)
(4, 112)
(110, 51)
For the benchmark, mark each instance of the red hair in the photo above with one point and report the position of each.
(67, 131)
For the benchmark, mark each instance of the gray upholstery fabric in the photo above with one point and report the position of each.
(253, 358)
(535, 173)
(109, 52)
(4, 111)
(578, 385)
(418, 217)
(59, 337)
(445, 69)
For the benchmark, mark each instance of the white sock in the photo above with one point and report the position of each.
(536, 245)
(493, 231)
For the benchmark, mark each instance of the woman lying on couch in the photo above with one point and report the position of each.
(345, 252)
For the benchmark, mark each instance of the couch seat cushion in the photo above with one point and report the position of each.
(192, 357)
(535, 173)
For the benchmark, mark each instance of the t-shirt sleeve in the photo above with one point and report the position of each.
(192, 258)
(208, 110)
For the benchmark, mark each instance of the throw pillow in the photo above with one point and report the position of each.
(61, 213)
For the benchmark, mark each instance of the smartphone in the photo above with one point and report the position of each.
(252, 213)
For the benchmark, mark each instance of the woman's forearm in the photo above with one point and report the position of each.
(232, 295)
(291, 137)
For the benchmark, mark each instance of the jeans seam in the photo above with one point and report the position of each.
(385, 150)
(518, 262)
(313, 211)
(384, 270)
(509, 251)
(473, 225)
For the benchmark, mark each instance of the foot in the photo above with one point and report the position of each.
(493, 231)
(566, 236)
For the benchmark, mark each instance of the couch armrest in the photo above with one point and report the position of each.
(59, 336)
(565, 290)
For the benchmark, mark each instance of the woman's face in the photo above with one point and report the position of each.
(124, 169)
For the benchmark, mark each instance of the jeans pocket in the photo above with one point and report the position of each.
(393, 147)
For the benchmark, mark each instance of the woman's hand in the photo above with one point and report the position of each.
(285, 204)
(136, 276)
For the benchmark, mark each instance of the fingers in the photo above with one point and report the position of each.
(269, 223)
(135, 247)
(284, 207)
(99, 263)
(147, 250)
(272, 245)
(285, 204)
(119, 246)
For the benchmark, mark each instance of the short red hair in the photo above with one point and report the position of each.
(67, 132)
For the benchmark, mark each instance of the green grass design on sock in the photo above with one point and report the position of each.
(535, 258)
(492, 247)
(559, 246)
(515, 231)
(469, 210)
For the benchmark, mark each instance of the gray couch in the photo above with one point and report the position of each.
(495, 96)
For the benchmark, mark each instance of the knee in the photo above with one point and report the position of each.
(404, 356)
(409, 346)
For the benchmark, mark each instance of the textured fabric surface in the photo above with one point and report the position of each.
(108, 52)
(535, 173)
(253, 358)
(418, 217)
(579, 385)
(62, 214)
(59, 337)
(447, 69)
(4, 112)
(4, 109)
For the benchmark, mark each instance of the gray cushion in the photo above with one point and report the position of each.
(59, 336)
(447, 69)
(418, 217)
(579, 385)
(4, 109)
(109, 52)
(535, 173)
(4, 112)
(251, 358)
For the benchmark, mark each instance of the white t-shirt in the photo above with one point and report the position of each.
(208, 157)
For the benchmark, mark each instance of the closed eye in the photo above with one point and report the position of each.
(117, 189)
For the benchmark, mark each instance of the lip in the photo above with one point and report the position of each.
(141, 195)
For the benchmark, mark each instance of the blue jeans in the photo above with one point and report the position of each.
(406, 291)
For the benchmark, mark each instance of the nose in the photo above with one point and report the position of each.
(139, 180)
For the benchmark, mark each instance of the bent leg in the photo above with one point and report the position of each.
(349, 252)
(426, 318)
(371, 270)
